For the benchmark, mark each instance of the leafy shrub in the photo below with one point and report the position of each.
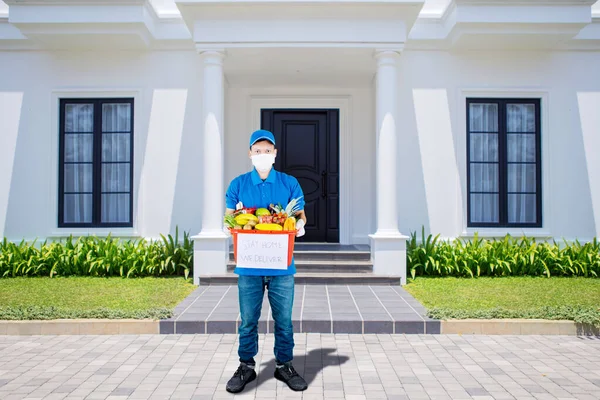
(506, 257)
(93, 256)
(579, 314)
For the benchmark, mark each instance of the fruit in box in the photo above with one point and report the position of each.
(243, 219)
(265, 219)
(269, 227)
(289, 224)
(245, 210)
(272, 218)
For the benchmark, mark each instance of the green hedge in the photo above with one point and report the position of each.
(93, 256)
(506, 257)
(580, 314)
(22, 313)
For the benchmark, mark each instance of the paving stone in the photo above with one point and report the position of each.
(477, 391)
(336, 366)
(124, 391)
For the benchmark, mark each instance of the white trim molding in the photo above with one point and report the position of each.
(456, 24)
(74, 93)
(341, 102)
(546, 142)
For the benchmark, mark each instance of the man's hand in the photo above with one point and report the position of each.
(226, 231)
(300, 228)
(301, 221)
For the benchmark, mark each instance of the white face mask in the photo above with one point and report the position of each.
(263, 162)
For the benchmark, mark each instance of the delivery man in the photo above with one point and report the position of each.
(260, 188)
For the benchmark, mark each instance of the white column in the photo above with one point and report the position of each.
(213, 95)
(386, 94)
(388, 245)
(210, 245)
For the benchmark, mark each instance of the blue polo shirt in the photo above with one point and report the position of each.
(252, 191)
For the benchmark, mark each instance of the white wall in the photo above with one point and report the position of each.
(431, 121)
(432, 145)
(167, 178)
(167, 137)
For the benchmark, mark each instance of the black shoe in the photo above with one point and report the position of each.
(288, 374)
(240, 378)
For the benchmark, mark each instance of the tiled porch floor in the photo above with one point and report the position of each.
(317, 309)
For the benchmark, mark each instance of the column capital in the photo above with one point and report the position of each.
(386, 56)
(211, 56)
(391, 52)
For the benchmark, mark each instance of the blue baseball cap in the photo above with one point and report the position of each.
(261, 134)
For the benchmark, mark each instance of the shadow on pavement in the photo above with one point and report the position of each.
(308, 366)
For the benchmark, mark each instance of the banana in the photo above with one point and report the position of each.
(243, 219)
(269, 227)
(290, 224)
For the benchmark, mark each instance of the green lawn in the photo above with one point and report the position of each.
(91, 297)
(510, 297)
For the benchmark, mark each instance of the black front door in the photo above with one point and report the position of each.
(307, 148)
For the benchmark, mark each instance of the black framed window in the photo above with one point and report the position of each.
(504, 163)
(96, 163)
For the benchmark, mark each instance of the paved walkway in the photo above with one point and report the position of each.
(354, 367)
(317, 309)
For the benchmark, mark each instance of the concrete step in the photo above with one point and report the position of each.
(377, 325)
(314, 278)
(351, 309)
(327, 256)
(353, 267)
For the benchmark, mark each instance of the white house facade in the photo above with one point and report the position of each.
(459, 116)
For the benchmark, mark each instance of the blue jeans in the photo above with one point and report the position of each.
(251, 290)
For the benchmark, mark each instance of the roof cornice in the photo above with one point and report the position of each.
(72, 2)
(527, 2)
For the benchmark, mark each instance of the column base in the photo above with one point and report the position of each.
(388, 253)
(211, 252)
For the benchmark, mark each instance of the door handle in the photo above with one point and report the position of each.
(324, 184)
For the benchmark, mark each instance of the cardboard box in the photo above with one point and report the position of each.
(263, 249)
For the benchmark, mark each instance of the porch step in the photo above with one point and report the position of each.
(323, 263)
(326, 256)
(314, 278)
(359, 254)
(352, 309)
(353, 267)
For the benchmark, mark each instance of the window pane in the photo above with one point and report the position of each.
(78, 177)
(79, 118)
(484, 208)
(521, 147)
(115, 177)
(483, 146)
(521, 178)
(522, 208)
(115, 208)
(116, 117)
(78, 147)
(520, 117)
(483, 117)
(484, 177)
(78, 208)
(116, 147)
